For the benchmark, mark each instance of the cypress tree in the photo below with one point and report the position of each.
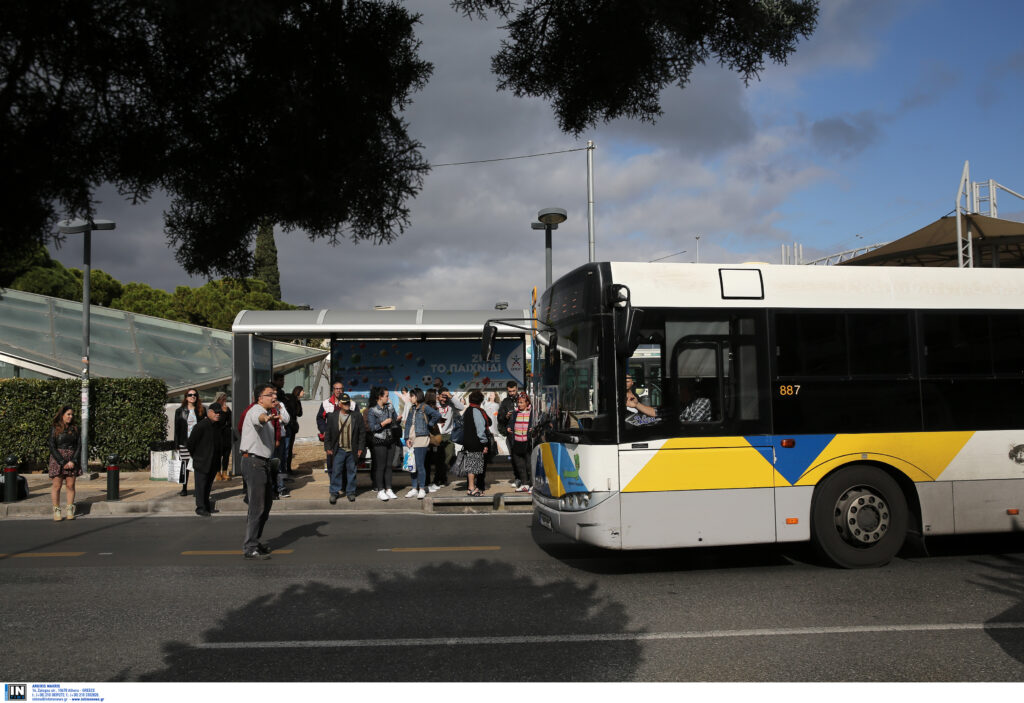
(266, 259)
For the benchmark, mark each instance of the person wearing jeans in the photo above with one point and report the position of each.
(383, 421)
(344, 442)
(417, 437)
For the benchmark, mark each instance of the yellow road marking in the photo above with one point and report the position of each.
(445, 549)
(24, 555)
(227, 552)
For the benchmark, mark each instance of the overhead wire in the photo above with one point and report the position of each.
(509, 158)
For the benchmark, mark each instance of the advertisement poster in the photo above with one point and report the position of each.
(412, 363)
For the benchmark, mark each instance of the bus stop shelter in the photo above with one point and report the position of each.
(390, 348)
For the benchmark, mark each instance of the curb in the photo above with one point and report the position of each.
(496, 503)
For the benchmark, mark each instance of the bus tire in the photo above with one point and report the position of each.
(859, 517)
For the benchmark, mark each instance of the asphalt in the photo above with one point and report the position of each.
(139, 494)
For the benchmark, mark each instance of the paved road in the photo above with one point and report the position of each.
(487, 597)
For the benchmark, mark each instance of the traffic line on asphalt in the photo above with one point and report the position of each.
(441, 549)
(226, 552)
(24, 555)
(613, 636)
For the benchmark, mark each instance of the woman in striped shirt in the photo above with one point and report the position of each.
(520, 442)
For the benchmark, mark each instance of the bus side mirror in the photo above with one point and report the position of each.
(553, 354)
(632, 322)
(487, 347)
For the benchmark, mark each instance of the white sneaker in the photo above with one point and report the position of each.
(391, 494)
(421, 494)
(433, 488)
(412, 493)
(383, 495)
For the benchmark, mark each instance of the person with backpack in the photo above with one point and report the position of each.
(475, 441)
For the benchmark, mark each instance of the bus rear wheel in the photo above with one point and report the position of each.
(859, 517)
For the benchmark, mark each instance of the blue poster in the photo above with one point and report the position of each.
(412, 363)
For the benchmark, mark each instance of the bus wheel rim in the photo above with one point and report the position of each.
(862, 516)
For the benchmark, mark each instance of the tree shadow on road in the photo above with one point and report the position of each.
(412, 627)
(1006, 577)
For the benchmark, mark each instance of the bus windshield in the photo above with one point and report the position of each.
(575, 400)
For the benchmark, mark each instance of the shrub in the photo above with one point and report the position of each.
(126, 415)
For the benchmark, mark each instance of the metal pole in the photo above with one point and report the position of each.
(86, 275)
(698, 249)
(547, 257)
(590, 199)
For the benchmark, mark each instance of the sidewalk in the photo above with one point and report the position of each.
(308, 488)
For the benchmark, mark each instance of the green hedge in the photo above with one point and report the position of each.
(126, 415)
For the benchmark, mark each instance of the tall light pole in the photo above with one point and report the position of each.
(590, 199)
(85, 227)
(550, 218)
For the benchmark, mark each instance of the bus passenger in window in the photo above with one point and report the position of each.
(698, 408)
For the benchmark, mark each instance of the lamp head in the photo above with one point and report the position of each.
(552, 215)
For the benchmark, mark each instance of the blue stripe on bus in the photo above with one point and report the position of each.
(792, 463)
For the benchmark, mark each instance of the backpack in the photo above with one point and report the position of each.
(457, 430)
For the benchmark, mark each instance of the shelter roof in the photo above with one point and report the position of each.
(372, 323)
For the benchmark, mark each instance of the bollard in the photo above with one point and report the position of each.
(11, 479)
(113, 478)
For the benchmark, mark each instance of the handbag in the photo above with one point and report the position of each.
(459, 466)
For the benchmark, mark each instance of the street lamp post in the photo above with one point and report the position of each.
(550, 218)
(85, 227)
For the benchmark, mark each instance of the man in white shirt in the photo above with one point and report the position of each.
(257, 447)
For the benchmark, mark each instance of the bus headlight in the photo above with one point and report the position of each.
(575, 501)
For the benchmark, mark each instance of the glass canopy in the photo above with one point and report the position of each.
(44, 335)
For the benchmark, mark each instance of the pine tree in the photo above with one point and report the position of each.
(266, 259)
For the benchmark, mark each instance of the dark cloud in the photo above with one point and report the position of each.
(706, 118)
(845, 136)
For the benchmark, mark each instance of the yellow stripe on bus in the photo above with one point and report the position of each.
(690, 464)
(922, 456)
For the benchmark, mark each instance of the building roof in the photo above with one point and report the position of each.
(936, 244)
(44, 334)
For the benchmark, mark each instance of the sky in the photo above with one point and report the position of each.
(860, 139)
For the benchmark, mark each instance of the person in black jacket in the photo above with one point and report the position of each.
(65, 445)
(293, 402)
(204, 445)
(507, 407)
(186, 417)
(226, 436)
(344, 442)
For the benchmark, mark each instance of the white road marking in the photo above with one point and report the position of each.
(614, 636)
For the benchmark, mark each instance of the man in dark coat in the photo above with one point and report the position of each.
(344, 442)
(204, 445)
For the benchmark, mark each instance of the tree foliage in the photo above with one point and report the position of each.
(53, 280)
(274, 110)
(598, 60)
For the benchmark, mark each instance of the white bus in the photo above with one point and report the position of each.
(842, 405)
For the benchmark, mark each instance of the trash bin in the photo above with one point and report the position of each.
(160, 456)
